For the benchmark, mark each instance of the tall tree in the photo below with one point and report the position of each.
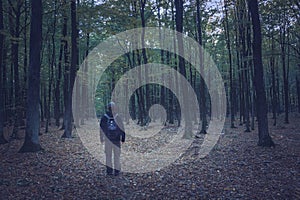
(283, 28)
(15, 8)
(202, 83)
(232, 89)
(74, 62)
(261, 102)
(52, 63)
(31, 143)
(144, 53)
(2, 138)
(182, 69)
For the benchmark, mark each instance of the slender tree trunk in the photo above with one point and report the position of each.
(247, 66)
(140, 94)
(175, 64)
(145, 59)
(298, 92)
(274, 93)
(2, 138)
(15, 61)
(4, 84)
(66, 64)
(140, 91)
(57, 95)
(202, 83)
(263, 129)
(85, 94)
(63, 52)
(182, 69)
(78, 114)
(24, 92)
(31, 143)
(51, 69)
(73, 68)
(284, 70)
(232, 105)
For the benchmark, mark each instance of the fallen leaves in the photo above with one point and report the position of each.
(235, 169)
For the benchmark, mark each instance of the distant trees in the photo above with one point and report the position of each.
(70, 30)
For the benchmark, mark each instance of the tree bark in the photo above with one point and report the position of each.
(66, 62)
(202, 83)
(15, 31)
(2, 138)
(232, 119)
(31, 143)
(298, 92)
(182, 70)
(73, 69)
(263, 129)
(274, 92)
(284, 71)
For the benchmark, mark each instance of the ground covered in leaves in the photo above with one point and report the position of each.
(236, 168)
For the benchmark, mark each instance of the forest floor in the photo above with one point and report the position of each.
(236, 168)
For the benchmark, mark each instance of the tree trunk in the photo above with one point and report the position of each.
(274, 93)
(25, 62)
(85, 94)
(247, 67)
(232, 105)
(51, 68)
(57, 95)
(202, 83)
(66, 63)
(263, 129)
(31, 143)
(298, 92)
(15, 61)
(2, 138)
(145, 59)
(284, 70)
(179, 28)
(72, 74)
(175, 64)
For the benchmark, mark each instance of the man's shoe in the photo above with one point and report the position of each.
(109, 171)
(117, 173)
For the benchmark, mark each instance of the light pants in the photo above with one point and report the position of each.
(115, 150)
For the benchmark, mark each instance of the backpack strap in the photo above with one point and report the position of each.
(111, 117)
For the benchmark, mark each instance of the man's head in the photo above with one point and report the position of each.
(111, 106)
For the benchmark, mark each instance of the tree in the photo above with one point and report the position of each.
(74, 62)
(15, 32)
(2, 139)
(261, 102)
(232, 105)
(31, 143)
(202, 83)
(182, 70)
(285, 74)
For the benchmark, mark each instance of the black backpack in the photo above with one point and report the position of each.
(112, 127)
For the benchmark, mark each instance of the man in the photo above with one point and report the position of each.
(112, 134)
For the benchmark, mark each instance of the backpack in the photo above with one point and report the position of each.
(112, 127)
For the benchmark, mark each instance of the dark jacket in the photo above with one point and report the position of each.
(118, 135)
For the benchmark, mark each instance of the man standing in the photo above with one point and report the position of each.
(112, 133)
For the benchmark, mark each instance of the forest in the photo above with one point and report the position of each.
(53, 94)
